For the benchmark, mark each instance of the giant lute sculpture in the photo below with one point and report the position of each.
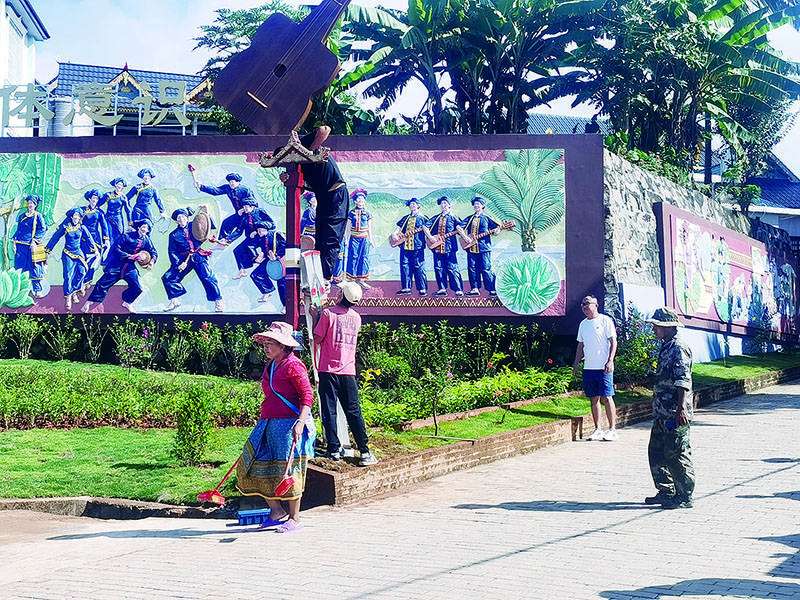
(269, 86)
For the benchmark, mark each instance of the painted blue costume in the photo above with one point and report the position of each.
(337, 275)
(236, 196)
(118, 214)
(412, 254)
(142, 195)
(119, 266)
(77, 241)
(358, 246)
(247, 226)
(445, 259)
(29, 228)
(184, 248)
(277, 243)
(479, 256)
(308, 222)
(95, 221)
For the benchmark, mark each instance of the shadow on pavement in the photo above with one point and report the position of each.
(177, 534)
(790, 568)
(559, 506)
(709, 588)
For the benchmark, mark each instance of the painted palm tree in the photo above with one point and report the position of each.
(527, 188)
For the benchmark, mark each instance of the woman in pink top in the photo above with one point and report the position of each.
(285, 417)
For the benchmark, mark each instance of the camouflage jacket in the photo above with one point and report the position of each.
(674, 371)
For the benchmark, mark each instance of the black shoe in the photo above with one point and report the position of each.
(334, 456)
(675, 502)
(473, 293)
(441, 293)
(659, 498)
(403, 293)
(423, 293)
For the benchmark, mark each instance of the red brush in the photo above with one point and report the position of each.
(214, 496)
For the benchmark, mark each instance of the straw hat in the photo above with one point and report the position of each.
(280, 332)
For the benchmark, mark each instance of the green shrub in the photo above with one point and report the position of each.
(179, 346)
(24, 330)
(207, 342)
(637, 349)
(387, 370)
(5, 333)
(237, 346)
(132, 348)
(62, 337)
(94, 334)
(194, 427)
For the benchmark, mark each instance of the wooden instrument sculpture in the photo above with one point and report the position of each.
(269, 86)
(473, 239)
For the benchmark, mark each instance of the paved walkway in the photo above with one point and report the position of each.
(563, 523)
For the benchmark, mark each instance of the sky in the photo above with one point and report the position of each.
(157, 35)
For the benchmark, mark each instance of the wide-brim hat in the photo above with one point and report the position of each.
(188, 212)
(144, 172)
(249, 201)
(233, 177)
(665, 317)
(117, 180)
(88, 195)
(34, 198)
(351, 292)
(414, 200)
(279, 331)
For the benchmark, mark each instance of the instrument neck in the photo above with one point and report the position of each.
(319, 24)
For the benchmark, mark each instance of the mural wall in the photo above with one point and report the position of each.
(106, 254)
(717, 276)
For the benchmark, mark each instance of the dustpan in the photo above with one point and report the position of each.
(287, 482)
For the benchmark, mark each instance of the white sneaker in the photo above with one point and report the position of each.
(610, 435)
(596, 436)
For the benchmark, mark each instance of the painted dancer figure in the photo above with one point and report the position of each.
(247, 227)
(185, 256)
(236, 193)
(121, 264)
(412, 250)
(95, 221)
(444, 248)
(77, 240)
(326, 181)
(308, 222)
(479, 255)
(142, 194)
(268, 245)
(358, 234)
(117, 210)
(28, 237)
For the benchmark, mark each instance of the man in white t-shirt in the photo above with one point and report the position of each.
(597, 347)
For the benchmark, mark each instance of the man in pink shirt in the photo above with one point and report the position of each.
(336, 332)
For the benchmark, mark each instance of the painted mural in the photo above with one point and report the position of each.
(720, 275)
(114, 234)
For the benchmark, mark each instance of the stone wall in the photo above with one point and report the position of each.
(631, 247)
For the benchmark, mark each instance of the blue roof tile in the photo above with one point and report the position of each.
(539, 123)
(778, 193)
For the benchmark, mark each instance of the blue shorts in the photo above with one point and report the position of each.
(596, 382)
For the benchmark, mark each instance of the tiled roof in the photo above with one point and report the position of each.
(778, 193)
(72, 74)
(539, 123)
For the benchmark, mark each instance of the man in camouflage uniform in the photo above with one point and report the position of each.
(669, 452)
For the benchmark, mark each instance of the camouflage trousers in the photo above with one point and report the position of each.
(670, 458)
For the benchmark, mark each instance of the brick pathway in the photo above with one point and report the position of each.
(565, 522)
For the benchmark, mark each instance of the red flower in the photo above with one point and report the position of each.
(204, 326)
(549, 361)
(489, 365)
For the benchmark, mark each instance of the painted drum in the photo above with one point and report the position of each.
(276, 269)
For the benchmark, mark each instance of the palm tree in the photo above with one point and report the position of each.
(527, 188)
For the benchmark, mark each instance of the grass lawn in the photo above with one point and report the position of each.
(741, 367)
(137, 463)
